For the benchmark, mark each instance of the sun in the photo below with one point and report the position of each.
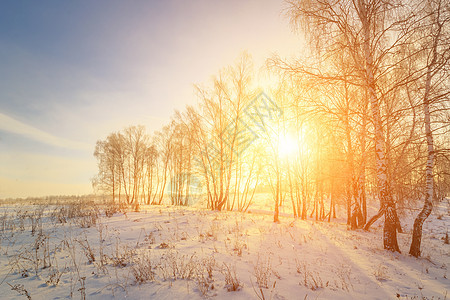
(287, 146)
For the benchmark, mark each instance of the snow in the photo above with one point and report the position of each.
(195, 253)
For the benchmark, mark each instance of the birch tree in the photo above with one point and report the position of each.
(437, 55)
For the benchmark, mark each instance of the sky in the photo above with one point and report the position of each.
(72, 72)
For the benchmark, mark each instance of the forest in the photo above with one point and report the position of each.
(362, 119)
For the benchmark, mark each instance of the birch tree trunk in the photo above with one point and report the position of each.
(428, 205)
(387, 204)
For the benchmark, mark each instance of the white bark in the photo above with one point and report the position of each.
(428, 205)
(387, 204)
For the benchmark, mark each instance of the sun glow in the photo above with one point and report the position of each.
(287, 146)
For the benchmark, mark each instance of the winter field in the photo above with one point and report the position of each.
(85, 250)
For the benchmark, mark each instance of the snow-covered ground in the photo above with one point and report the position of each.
(165, 252)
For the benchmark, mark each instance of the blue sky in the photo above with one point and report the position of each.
(71, 72)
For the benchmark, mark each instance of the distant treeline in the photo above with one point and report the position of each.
(55, 199)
